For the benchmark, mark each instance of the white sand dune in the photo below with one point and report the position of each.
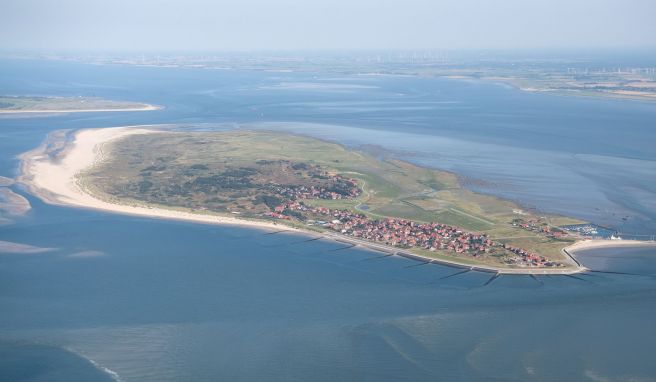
(55, 180)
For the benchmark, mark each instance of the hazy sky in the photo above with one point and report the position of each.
(324, 24)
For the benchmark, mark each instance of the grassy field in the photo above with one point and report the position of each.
(391, 188)
(628, 84)
(22, 104)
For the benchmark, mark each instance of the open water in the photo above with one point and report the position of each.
(133, 299)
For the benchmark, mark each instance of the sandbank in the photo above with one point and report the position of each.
(589, 244)
(32, 111)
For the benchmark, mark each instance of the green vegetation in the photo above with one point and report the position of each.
(238, 171)
(45, 104)
(623, 85)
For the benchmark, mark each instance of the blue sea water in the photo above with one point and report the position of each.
(133, 299)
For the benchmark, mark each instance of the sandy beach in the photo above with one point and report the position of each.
(32, 111)
(55, 180)
(589, 244)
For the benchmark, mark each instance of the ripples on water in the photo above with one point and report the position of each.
(138, 299)
(591, 158)
(175, 301)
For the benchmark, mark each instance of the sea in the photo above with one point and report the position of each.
(117, 298)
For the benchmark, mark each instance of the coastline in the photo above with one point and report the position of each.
(54, 180)
(580, 246)
(146, 107)
(616, 95)
(591, 244)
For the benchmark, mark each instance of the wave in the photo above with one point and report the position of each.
(111, 373)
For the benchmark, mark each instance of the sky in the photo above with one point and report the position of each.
(243, 25)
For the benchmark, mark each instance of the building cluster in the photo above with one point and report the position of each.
(339, 188)
(526, 258)
(282, 211)
(589, 230)
(408, 234)
(536, 225)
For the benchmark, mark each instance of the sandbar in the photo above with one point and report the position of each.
(41, 111)
(589, 244)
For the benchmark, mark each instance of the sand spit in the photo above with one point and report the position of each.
(58, 111)
(18, 248)
(12, 203)
(588, 244)
(6, 182)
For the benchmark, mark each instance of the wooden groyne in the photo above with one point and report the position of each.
(425, 260)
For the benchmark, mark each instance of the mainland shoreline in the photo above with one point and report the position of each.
(54, 180)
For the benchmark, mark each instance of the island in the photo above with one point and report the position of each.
(23, 104)
(280, 181)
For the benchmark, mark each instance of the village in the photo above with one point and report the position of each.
(540, 227)
(395, 232)
(340, 188)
